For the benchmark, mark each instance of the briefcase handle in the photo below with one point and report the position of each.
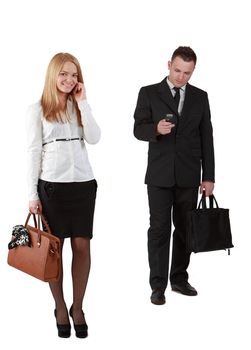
(37, 224)
(203, 202)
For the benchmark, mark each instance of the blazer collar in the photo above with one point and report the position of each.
(188, 99)
(166, 96)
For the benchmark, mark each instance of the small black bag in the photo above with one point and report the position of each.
(208, 229)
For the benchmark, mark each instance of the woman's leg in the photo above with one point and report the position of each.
(81, 262)
(58, 295)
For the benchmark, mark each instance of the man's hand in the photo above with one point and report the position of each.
(164, 127)
(208, 187)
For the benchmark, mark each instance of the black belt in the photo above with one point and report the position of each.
(68, 139)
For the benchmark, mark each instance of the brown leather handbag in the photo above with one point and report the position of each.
(42, 257)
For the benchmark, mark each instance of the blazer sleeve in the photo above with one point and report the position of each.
(207, 145)
(145, 128)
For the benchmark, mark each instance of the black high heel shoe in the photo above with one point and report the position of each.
(81, 330)
(64, 330)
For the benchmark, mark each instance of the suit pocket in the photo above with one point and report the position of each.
(154, 155)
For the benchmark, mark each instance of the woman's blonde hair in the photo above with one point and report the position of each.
(52, 110)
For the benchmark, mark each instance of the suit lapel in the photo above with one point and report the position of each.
(184, 117)
(188, 100)
(166, 96)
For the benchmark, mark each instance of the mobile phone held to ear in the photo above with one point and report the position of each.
(76, 89)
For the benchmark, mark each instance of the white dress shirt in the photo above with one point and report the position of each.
(59, 161)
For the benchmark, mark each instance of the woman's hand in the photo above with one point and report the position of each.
(35, 207)
(79, 92)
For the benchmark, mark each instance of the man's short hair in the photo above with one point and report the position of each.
(186, 53)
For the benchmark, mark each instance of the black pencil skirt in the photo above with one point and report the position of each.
(68, 207)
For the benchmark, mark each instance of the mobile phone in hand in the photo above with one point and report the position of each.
(169, 118)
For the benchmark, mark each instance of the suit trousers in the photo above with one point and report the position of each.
(167, 205)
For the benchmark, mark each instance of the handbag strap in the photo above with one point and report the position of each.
(37, 223)
(203, 202)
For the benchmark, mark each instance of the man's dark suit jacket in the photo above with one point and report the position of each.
(179, 157)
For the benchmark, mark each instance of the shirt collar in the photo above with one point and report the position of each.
(183, 88)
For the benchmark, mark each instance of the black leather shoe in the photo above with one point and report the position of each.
(64, 330)
(81, 330)
(184, 288)
(158, 297)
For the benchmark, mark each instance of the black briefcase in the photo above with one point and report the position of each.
(208, 229)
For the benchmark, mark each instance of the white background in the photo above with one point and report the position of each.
(122, 46)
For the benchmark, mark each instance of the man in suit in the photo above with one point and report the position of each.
(174, 117)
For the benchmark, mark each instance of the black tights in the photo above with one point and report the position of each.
(81, 261)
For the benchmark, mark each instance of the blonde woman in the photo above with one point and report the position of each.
(61, 183)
